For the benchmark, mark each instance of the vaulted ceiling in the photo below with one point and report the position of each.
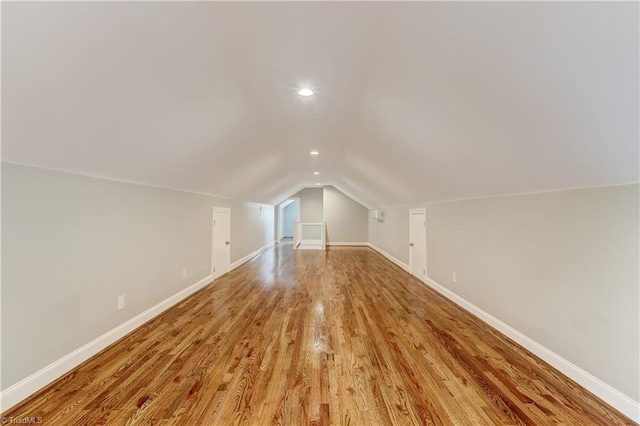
(414, 102)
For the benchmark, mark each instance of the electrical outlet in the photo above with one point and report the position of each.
(454, 277)
(184, 272)
(121, 302)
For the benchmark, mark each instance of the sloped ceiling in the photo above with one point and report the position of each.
(415, 102)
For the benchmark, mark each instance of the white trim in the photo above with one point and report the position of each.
(30, 385)
(391, 258)
(286, 202)
(38, 380)
(621, 402)
(281, 217)
(311, 242)
(251, 255)
(602, 390)
(310, 245)
(347, 244)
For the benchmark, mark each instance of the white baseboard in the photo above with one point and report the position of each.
(311, 242)
(388, 256)
(251, 255)
(30, 385)
(607, 393)
(347, 244)
(621, 402)
(310, 245)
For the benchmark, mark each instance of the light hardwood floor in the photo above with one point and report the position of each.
(313, 337)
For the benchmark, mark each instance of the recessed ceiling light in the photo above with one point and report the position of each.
(318, 184)
(305, 92)
(314, 152)
(316, 173)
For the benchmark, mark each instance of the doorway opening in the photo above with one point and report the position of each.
(289, 214)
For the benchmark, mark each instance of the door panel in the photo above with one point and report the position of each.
(221, 242)
(418, 243)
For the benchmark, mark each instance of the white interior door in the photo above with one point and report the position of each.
(418, 243)
(221, 242)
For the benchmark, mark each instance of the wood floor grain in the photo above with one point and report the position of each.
(318, 338)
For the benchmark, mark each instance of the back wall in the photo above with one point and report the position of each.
(346, 219)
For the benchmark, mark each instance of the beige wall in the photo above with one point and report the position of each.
(72, 244)
(392, 234)
(310, 205)
(561, 267)
(346, 219)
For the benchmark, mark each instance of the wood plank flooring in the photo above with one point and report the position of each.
(312, 337)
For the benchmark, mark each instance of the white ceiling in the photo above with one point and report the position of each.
(416, 102)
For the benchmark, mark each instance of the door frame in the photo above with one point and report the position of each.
(280, 211)
(215, 210)
(424, 212)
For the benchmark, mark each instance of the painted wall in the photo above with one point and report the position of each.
(391, 235)
(346, 219)
(560, 267)
(311, 209)
(72, 244)
(289, 217)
